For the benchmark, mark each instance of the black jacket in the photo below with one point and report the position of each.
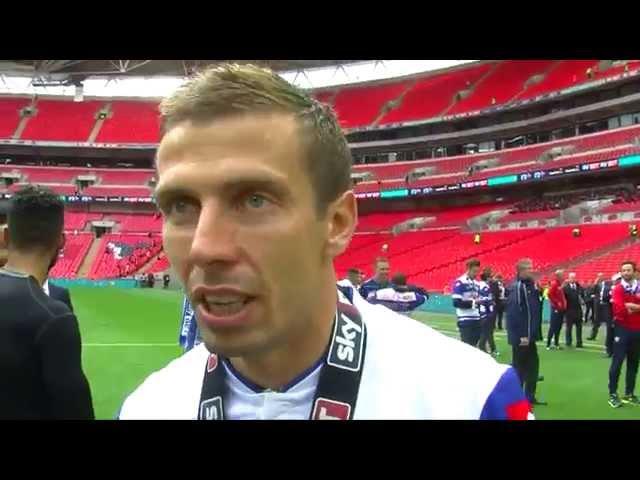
(61, 294)
(523, 312)
(573, 296)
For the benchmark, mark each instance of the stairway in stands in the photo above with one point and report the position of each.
(85, 266)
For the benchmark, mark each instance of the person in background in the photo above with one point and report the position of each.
(589, 296)
(380, 278)
(41, 374)
(558, 304)
(165, 280)
(349, 286)
(500, 299)
(606, 312)
(625, 299)
(487, 313)
(151, 280)
(598, 287)
(573, 315)
(399, 297)
(523, 327)
(466, 298)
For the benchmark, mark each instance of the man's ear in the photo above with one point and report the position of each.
(342, 215)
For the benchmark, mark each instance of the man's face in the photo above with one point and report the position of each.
(628, 272)
(473, 272)
(599, 278)
(354, 278)
(526, 271)
(241, 230)
(382, 272)
(572, 278)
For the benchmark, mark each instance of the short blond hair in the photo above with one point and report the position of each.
(522, 263)
(232, 89)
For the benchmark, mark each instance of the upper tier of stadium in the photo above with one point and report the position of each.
(464, 89)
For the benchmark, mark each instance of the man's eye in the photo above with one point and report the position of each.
(178, 210)
(255, 201)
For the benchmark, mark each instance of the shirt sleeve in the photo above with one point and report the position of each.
(507, 400)
(66, 386)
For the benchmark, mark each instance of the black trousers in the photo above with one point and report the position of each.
(573, 318)
(626, 345)
(487, 327)
(527, 364)
(470, 332)
(588, 311)
(555, 325)
(499, 314)
(602, 314)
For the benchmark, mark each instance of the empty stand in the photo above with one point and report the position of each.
(74, 251)
(123, 255)
(62, 120)
(567, 74)
(159, 265)
(430, 96)
(136, 222)
(609, 263)
(131, 122)
(10, 115)
(124, 177)
(360, 106)
(501, 85)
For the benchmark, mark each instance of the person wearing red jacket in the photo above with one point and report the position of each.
(625, 299)
(558, 303)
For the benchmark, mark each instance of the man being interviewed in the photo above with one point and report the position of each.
(254, 186)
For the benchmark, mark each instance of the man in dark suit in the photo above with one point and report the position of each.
(58, 293)
(573, 316)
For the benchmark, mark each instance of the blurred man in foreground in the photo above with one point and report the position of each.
(41, 373)
(254, 183)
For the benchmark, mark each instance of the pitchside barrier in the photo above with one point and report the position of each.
(443, 304)
(83, 282)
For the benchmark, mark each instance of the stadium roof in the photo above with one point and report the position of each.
(157, 78)
(84, 68)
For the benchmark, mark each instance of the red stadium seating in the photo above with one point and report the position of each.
(62, 120)
(132, 252)
(567, 73)
(75, 249)
(502, 84)
(382, 221)
(159, 265)
(621, 207)
(124, 177)
(430, 96)
(360, 106)
(10, 114)
(609, 263)
(132, 122)
(136, 222)
(78, 220)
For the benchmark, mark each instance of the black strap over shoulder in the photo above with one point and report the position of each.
(339, 382)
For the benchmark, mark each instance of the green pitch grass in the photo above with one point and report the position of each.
(128, 334)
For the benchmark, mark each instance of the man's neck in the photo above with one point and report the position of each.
(28, 265)
(277, 368)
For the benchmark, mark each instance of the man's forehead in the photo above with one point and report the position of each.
(265, 133)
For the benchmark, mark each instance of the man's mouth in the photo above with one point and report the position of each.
(225, 305)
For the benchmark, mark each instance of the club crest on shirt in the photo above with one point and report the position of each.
(212, 362)
(347, 344)
(325, 409)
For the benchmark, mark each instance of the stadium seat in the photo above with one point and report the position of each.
(62, 120)
(131, 122)
(10, 115)
(75, 249)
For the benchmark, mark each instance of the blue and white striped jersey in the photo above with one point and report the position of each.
(466, 289)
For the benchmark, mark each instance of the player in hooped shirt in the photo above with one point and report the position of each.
(254, 185)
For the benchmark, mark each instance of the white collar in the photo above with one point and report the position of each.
(629, 286)
(45, 286)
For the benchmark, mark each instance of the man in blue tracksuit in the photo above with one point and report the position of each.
(524, 327)
(466, 300)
